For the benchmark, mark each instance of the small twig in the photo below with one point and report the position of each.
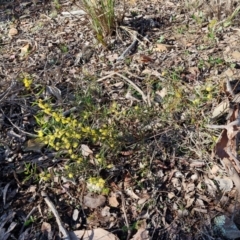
(231, 124)
(128, 49)
(144, 97)
(58, 219)
(27, 133)
(68, 112)
(73, 13)
(125, 215)
(7, 91)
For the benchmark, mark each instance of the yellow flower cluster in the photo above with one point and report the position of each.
(27, 82)
(45, 176)
(65, 133)
(95, 184)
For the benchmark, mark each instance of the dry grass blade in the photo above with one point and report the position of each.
(101, 16)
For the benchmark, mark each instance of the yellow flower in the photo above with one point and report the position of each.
(73, 156)
(74, 123)
(70, 175)
(99, 160)
(209, 88)
(77, 135)
(196, 101)
(66, 167)
(47, 111)
(214, 138)
(75, 144)
(79, 160)
(209, 96)
(51, 138)
(27, 83)
(40, 104)
(68, 145)
(95, 184)
(178, 94)
(40, 133)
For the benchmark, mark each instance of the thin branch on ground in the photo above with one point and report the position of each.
(58, 219)
(144, 97)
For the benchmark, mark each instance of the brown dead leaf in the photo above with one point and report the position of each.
(232, 173)
(194, 71)
(215, 169)
(142, 233)
(94, 201)
(236, 55)
(194, 164)
(162, 93)
(211, 187)
(113, 202)
(94, 234)
(25, 49)
(145, 59)
(46, 229)
(221, 145)
(112, 57)
(151, 72)
(189, 201)
(171, 195)
(86, 151)
(12, 32)
(188, 187)
(105, 212)
(182, 213)
(131, 193)
(127, 180)
(160, 48)
(229, 72)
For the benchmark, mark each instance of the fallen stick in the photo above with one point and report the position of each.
(64, 232)
(144, 97)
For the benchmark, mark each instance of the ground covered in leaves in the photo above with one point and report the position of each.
(135, 137)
